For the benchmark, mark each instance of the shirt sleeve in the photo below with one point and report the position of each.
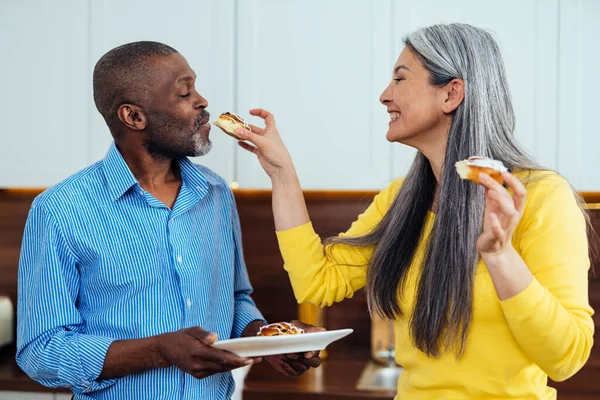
(552, 319)
(322, 275)
(245, 310)
(52, 347)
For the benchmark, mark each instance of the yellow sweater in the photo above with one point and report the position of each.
(513, 345)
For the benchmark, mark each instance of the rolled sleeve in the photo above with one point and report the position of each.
(78, 363)
(92, 352)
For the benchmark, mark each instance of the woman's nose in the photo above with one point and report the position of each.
(386, 96)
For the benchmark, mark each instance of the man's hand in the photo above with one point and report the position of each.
(299, 363)
(191, 351)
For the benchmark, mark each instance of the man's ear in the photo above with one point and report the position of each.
(454, 94)
(132, 117)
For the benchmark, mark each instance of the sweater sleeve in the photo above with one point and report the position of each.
(551, 319)
(322, 275)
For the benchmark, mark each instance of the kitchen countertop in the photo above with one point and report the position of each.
(336, 379)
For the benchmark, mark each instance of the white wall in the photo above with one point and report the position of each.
(43, 77)
(202, 30)
(318, 65)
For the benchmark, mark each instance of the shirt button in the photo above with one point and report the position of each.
(189, 303)
(179, 259)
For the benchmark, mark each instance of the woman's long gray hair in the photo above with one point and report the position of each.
(482, 125)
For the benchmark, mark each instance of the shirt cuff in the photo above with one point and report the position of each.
(245, 313)
(524, 304)
(92, 353)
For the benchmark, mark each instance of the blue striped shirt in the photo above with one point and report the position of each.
(104, 260)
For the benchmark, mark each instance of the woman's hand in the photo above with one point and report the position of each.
(503, 212)
(267, 145)
(299, 363)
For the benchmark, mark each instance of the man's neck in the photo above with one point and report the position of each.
(152, 173)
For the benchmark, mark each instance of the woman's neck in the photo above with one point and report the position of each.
(435, 152)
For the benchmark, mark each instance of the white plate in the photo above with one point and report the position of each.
(257, 346)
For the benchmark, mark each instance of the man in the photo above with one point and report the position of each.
(131, 268)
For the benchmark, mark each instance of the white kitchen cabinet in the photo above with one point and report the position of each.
(44, 118)
(62, 396)
(9, 395)
(201, 30)
(320, 67)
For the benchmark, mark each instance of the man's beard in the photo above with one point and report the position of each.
(203, 148)
(169, 138)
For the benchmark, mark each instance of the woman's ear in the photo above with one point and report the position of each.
(454, 92)
(132, 117)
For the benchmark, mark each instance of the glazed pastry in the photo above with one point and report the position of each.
(229, 122)
(279, 329)
(469, 169)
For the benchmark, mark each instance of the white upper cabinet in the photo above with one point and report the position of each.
(44, 118)
(201, 30)
(319, 67)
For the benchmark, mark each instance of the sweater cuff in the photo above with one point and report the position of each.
(524, 304)
(289, 236)
(290, 239)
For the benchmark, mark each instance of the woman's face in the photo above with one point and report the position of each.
(416, 107)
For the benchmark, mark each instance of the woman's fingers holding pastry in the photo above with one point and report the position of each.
(264, 114)
(511, 206)
(250, 136)
(257, 130)
(489, 183)
(520, 193)
(248, 147)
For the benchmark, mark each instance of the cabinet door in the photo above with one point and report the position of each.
(320, 67)
(42, 106)
(201, 30)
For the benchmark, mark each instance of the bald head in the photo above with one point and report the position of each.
(123, 76)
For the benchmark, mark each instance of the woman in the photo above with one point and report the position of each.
(488, 289)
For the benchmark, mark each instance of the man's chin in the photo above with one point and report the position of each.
(203, 149)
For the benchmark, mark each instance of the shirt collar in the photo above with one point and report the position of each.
(118, 175)
(120, 178)
(192, 177)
